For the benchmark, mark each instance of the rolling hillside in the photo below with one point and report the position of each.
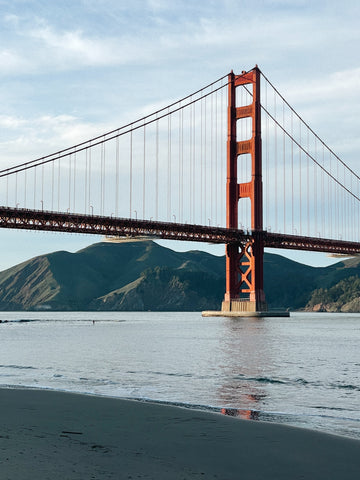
(142, 275)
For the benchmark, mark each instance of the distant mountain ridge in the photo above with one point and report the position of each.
(142, 275)
(113, 276)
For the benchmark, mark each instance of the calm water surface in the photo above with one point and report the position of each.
(303, 370)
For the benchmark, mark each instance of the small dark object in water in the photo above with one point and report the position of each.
(72, 433)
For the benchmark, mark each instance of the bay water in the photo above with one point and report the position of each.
(302, 371)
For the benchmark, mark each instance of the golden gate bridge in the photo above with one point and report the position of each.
(232, 163)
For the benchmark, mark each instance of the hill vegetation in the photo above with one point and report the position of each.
(142, 275)
(344, 296)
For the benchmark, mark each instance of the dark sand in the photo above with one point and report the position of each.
(52, 435)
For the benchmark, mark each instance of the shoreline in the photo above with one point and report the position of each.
(75, 436)
(274, 418)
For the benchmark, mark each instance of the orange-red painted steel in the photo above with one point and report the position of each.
(244, 262)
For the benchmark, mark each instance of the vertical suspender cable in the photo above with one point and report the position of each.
(74, 182)
(284, 182)
(341, 213)
(144, 170)
(357, 238)
(25, 186)
(347, 199)
(292, 173)
(350, 209)
(347, 229)
(103, 177)
(16, 189)
(180, 167)
(337, 202)
(330, 208)
(58, 185)
(69, 186)
(182, 161)
(35, 187)
(308, 183)
(211, 156)
(315, 189)
(130, 173)
(323, 195)
(52, 184)
(42, 186)
(194, 163)
(117, 178)
(205, 161)
(345, 209)
(86, 182)
(330, 200)
(201, 162)
(169, 171)
(358, 213)
(190, 150)
(216, 159)
(276, 168)
(157, 172)
(89, 191)
(344, 194)
(192, 157)
(300, 185)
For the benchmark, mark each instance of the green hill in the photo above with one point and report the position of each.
(142, 275)
(115, 276)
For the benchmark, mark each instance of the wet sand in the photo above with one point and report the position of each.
(54, 435)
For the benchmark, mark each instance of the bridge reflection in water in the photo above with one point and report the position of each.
(245, 414)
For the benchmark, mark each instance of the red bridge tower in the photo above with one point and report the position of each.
(244, 261)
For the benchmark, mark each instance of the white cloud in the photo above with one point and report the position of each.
(220, 33)
(11, 62)
(330, 104)
(75, 48)
(335, 86)
(10, 122)
(39, 46)
(12, 19)
(24, 139)
(158, 4)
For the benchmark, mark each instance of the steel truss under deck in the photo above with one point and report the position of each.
(26, 219)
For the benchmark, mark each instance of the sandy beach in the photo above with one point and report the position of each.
(55, 435)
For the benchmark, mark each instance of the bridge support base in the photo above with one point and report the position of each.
(253, 314)
(244, 308)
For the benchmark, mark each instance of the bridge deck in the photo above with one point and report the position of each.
(125, 227)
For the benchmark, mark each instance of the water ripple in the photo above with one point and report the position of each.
(20, 367)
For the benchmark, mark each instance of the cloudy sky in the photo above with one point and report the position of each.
(72, 69)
